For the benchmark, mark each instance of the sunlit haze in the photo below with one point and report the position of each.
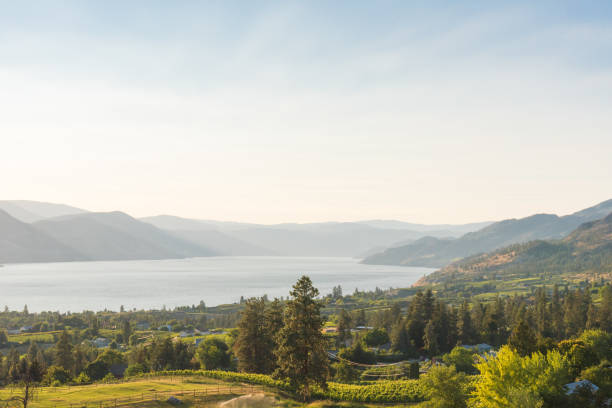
(307, 111)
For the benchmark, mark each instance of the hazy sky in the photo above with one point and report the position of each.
(308, 111)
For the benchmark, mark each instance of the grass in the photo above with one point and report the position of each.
(141, 392)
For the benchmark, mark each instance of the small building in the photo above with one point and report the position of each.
(327, 330)
(24, 329)
(479, 348)
(100, 342)
(574, 387)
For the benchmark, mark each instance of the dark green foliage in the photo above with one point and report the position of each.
(57, 375)
(376, 337)
(358, 354)
(301, 354)
(63, 352)
(522, 339)
(213, 354)
(462, 359)
(255, 343)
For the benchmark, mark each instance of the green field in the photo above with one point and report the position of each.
(144, 392)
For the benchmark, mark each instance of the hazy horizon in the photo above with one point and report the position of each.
(269, 112)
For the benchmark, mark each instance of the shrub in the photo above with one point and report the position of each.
(135, 369)
(462, 359)
(376, 337)
(109, 378)
(507, 374)
(445, 387)
(56, 374)
(83, 379)
(213, 353)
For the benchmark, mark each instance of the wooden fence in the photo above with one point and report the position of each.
(195, 395)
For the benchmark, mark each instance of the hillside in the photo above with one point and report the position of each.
(117, 236)
(350, 239)
(586, 251)
(21, 242)
(31, 211)
(436, 252)
(206, 234)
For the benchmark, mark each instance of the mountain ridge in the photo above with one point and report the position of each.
(436, 252)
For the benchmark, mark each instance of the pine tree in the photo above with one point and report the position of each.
(344, 328)
(301, 355)
(126, 331)
(556, 315)
(63, 352)
(253, 346)
(465, 329)
(400, 342)
(522, 339)
(430, 338)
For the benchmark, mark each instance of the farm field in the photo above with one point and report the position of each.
(140, 392)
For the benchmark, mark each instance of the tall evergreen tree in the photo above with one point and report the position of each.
(465, 329)
(344, 328)
(63, 352)
(430, 338)
(301, 355)
(253, 346)
(522, 339)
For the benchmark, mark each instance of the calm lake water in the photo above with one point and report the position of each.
(76, 286)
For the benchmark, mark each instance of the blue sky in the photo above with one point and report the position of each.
(308, 111)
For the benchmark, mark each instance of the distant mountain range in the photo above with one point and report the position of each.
(438, 252)
(33, 231)
(586, 250)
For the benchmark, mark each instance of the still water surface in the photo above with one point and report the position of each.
(76, 286)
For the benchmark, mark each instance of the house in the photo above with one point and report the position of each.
(24, 329)
(327, 330)
(576, 386)
(479, 348)
(100, 342)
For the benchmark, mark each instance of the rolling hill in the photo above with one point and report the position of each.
(585, 251)
(117, 236)
(292, 239)
(21, 242)
(436, 252)
(31, 211)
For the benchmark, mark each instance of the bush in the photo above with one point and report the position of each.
(213, 354)
(376, 337)
(83, 379)
(109, 378)
(462, 359)
(57, 374)
(508, 375)
(358, 354)
(135, 369)
(445, 387)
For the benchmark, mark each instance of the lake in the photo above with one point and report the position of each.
(77, 286)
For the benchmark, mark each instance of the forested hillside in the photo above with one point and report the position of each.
(586, 253)
(436, 252)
